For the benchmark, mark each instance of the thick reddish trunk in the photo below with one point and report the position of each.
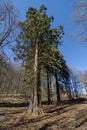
(35, 106)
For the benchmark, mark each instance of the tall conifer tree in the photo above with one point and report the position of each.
(33, 46)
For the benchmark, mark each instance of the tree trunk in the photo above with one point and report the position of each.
(57, 88)
(35, 105)
(48, 88)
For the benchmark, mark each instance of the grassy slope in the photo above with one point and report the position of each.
(69, 115)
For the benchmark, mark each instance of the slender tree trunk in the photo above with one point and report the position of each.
(48, 87)
(35, 105)
(69, 89)
(57, 88)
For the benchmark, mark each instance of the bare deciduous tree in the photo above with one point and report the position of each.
(8, 23)
(80, 19)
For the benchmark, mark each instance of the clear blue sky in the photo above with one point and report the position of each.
(74, 53)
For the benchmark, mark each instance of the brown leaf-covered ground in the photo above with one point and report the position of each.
(68, 115)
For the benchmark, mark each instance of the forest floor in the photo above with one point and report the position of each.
(68, 115)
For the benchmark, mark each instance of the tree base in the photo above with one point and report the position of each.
(35, 109)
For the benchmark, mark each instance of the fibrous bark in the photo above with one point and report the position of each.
(35, 104)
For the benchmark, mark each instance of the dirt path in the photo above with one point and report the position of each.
(66, 116)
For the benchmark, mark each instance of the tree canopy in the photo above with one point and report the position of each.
(35, 47)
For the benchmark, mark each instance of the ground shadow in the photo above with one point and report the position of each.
(13, 104)
(58, 113)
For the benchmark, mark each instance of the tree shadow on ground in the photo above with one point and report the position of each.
(13, 104)
(55, 117)
(68, 101)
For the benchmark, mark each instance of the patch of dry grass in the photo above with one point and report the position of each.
(66, 116)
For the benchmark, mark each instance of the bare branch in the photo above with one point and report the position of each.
(8, 23)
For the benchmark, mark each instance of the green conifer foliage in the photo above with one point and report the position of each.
(34, 47)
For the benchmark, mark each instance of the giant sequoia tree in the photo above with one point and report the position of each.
(33, 46)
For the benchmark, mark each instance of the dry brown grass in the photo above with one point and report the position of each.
(69, 115)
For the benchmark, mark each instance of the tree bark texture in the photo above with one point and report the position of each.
(48, 87)
(57, 88)
(35, 105)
